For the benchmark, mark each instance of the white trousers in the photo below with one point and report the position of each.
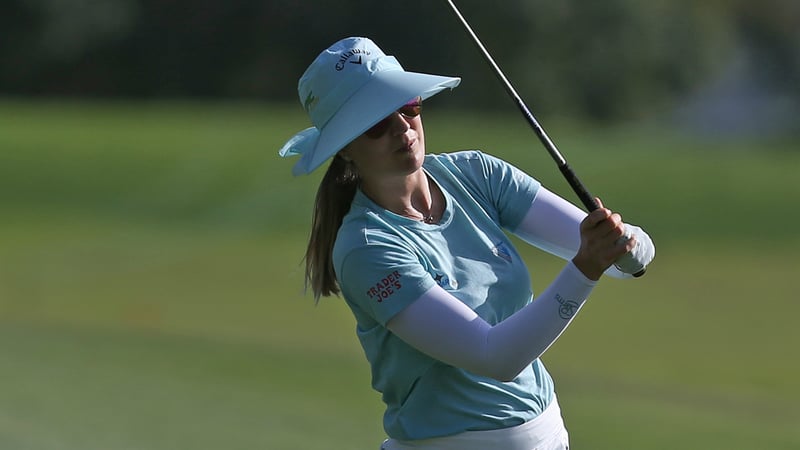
(545, 432)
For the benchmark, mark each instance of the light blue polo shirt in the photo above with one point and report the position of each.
(384, 262)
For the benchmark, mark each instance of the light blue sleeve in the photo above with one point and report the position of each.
(507, 190)
(382, 278)
(512, 189)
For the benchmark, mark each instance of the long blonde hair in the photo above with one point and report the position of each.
(334, 196)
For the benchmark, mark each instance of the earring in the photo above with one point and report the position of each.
(349, 172)
(350, 167)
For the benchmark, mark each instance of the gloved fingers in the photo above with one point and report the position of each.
(642, 253)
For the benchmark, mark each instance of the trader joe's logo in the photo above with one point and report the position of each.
(385, 287)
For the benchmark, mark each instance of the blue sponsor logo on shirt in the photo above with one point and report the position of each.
(501, 250)
(444, 281)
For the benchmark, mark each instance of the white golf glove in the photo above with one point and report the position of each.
(642, 254)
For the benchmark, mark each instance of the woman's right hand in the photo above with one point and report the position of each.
(601, 245)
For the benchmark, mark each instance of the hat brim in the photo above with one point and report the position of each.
(384, 93)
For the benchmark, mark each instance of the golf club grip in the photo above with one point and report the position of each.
(586, 198)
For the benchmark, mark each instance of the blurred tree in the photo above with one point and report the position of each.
(771, 28)
(617, 58)
(758, 89)
(46, 42)
(611, 59)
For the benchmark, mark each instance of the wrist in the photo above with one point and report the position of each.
(586, 268)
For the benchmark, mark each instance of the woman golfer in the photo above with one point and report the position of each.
(416, 244)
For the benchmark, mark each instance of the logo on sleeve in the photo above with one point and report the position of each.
(568, 307)
(385, 287)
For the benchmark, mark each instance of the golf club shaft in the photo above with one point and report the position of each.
(583, 194)
(580, 190)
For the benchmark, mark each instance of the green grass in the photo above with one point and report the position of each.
(151, 292)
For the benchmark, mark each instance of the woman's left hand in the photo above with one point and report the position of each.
(601, 242)
(642, 254)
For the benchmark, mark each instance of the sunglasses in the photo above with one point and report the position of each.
(409, 110)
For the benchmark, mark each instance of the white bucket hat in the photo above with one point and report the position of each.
(348, 88)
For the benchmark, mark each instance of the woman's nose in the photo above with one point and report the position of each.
(399, 124)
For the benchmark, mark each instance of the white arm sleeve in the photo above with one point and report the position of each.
(553, 225)
(444, 328)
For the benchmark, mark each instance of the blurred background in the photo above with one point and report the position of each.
(723, 65)
(151, 241)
